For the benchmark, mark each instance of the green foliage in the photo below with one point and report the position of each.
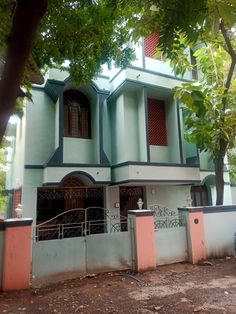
(232, 168)
(87, 33)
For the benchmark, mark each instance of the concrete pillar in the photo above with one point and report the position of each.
(17, 254)
(194, 219)
(142, 230)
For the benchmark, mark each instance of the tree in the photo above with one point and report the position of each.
(211, 101)
(37, 34)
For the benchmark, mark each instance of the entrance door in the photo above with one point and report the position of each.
(129, 196)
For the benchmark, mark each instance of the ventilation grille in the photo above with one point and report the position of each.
(150, 45)
(157, 134)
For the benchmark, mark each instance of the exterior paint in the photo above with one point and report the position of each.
(40, 129)
(196, 231)
(144, 240)
(149, 172)
(220, 229)
(169, 196)
(17, 258)
(109, 251)
(58, 258)
(56, 174)
(171, 245)
(69, 258)
(1, 252)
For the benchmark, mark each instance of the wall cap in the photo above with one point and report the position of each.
(16, 222)
(209, 209)
(142, 212)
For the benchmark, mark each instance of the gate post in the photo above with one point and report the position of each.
(194, 221)
(17, 254)
(142, 224)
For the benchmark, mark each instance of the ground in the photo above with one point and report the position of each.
(179, 288)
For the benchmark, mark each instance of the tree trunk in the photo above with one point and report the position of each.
(219, 172)
(27, 17)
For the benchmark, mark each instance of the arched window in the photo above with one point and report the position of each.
(199, 195)
(77, 116)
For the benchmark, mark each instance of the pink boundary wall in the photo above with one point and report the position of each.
(197, 237)
(17, 254)
(145, 249)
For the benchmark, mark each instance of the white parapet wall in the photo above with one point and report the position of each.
(220, 231)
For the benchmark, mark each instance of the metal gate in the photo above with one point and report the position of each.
(170, 236)
(80, 241)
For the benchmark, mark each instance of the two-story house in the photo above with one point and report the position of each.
(107, 144)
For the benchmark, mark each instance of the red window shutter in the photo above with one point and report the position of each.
(157, 134)
(150, 45)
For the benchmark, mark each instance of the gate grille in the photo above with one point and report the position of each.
(80, 222)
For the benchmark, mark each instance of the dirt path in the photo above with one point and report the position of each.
(180, 288)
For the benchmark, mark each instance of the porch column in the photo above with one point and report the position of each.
(17, 254)
(194, 219)
(143, 244)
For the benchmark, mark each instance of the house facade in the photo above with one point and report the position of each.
(107, 144)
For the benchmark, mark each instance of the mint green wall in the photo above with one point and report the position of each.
(168, 196)
(78, 151)
(33, 178)
(118, 130)
(127, 128)
(17, 175)
(40, 129)
(205, 163)
(131, 139)
(107, 125)
(172, 131)
(140, 96)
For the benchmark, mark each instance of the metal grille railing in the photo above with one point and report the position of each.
(166, 218)
(80, 222)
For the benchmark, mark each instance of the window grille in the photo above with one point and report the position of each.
(157, 133)
(150, 45)
(77, 117)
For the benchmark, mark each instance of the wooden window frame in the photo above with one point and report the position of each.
(77, 115)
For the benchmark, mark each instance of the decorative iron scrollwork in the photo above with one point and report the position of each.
(80, 222)
(166, 218)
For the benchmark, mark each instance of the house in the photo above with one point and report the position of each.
(107, 144)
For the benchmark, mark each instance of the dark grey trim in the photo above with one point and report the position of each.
(184, 182)
(102, 154)
(93, 181)
(34, 167)
(18, 222)
(151, 72)
(78, 165)
(38, 87)
(147, 126)
(93, 85)
(141, 213)
(210, 209)
(160, 164)
(2, 226)
(179, 134)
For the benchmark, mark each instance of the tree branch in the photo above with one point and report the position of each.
(27, 17)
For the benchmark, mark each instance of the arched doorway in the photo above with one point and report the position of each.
(200, 195)
(71, 193)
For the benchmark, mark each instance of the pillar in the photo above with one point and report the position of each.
(142, 231)
(17, 254)
(194, 219)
